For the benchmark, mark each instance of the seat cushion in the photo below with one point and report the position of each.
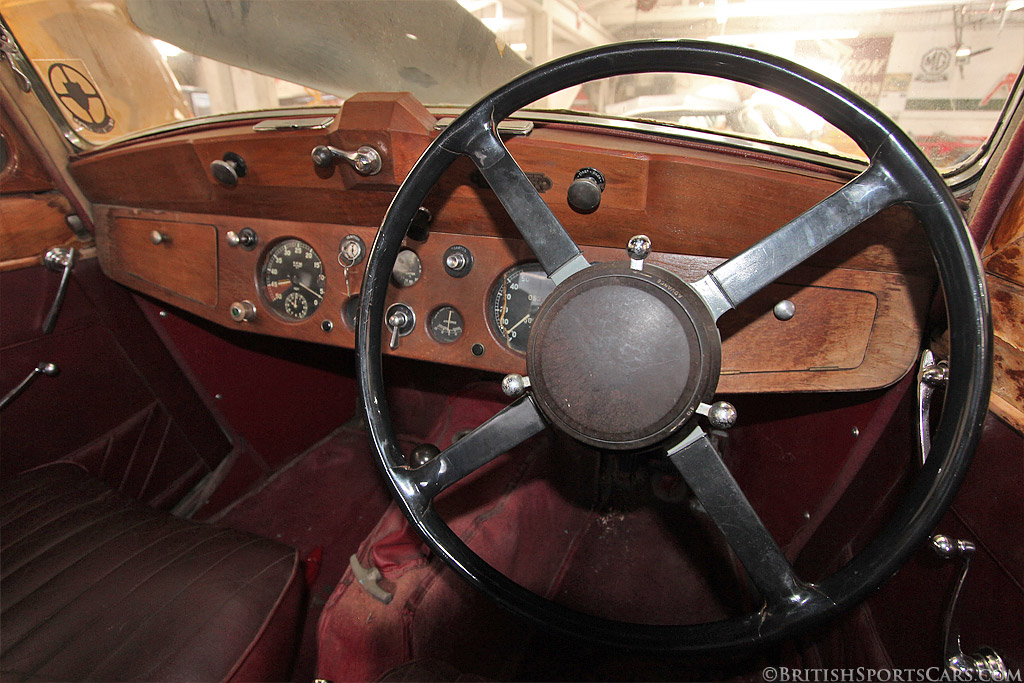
(95, 586)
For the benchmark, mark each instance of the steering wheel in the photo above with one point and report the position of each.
(664, 347)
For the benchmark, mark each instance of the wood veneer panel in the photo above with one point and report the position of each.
(1007, 300)
(1008, 262)
(184, 264)
(1005, 265)
(689, 200)
(763, 343)
(1008, 383)
(30, 224)
(853, 329)
(22, 172)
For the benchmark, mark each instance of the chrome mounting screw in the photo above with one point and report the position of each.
(638, 248)
(514, 385)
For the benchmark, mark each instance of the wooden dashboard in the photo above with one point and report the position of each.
(860, 304)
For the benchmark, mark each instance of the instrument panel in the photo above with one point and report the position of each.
(466, 290)
(303, 280)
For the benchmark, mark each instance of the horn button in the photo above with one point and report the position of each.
(621, 358)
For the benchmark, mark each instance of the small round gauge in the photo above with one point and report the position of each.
(293, 280)
(445, 324)
(515, 300)
(408, 268)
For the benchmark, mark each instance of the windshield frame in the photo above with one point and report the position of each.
(960, 178)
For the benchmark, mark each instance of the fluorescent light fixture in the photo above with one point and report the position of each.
(518, 47)
(963, 52)
(1014, 5)
(411, 36)
(721, 11)
(166, 49)
(496, 24)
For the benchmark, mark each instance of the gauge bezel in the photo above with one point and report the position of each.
(260, 280)
(428, 323)
(492, 292)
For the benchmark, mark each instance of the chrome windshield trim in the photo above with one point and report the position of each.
(258, 115)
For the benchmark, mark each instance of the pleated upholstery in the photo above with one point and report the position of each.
(94, 586)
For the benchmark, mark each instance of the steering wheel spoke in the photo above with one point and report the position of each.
(742, 276)
(508, 428)
(554, 249)
(701, 466)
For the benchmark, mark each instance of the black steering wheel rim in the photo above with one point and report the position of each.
(959, 270)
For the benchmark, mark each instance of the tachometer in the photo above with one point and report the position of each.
(293, 280)
(515, 300)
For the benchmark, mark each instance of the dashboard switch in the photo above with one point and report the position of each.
(242, 311)
(458, 261)
(400, 321)
(351, 251)
(245, 238)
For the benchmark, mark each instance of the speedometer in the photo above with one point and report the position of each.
(293, 280)
(514, 303)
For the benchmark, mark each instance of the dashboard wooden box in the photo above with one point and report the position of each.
(183, 261)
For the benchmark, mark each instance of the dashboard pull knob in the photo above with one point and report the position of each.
(229, 169)
(585, 190)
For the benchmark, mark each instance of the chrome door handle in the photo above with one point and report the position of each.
(48, 369)
(985, 664)
(932, 374)
(58, 259)
(10, 52)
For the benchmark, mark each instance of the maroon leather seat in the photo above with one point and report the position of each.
(94, 586)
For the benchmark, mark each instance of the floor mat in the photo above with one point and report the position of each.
(329, 499)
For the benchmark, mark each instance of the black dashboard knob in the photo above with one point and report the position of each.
(229, 169)
(585, 190)
(419, 227)
(322, 156)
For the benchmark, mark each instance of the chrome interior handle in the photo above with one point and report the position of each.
(58, 259)
(10, 52)
(48, 369)
(932, 374)
(985, 664)
(366, 160)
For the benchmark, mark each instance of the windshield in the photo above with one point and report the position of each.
(942, 70)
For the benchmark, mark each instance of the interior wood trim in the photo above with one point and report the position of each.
(868, 340)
